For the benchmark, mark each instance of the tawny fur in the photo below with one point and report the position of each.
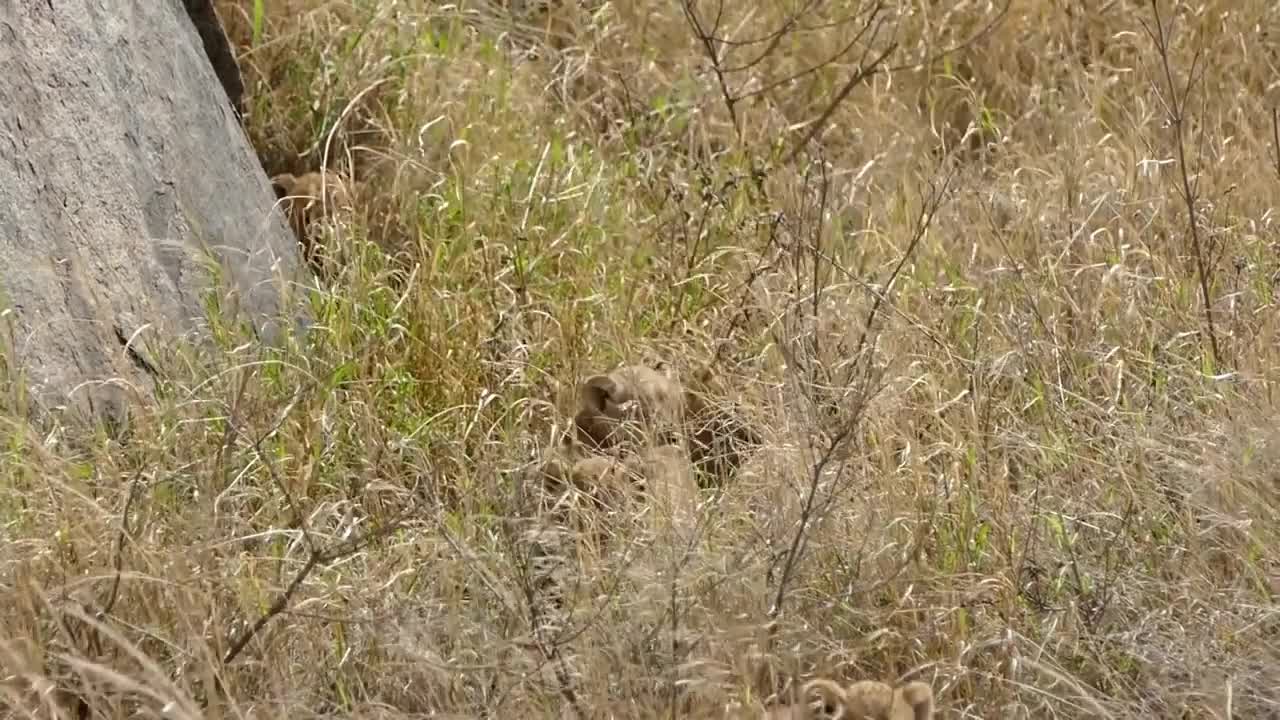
(873, 700)
(632, 404)
(657, 481)
(569, 466)
(720, 439)
(663, 477)
(605, 479)
(637, 405)
(833, 696)
(304, 203)
(863, 700)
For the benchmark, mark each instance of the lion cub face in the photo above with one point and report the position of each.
(637, 405)
(305, 198)
(630, 404)
(872, 700)
(863, 700)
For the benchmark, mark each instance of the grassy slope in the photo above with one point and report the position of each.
(1053, 499)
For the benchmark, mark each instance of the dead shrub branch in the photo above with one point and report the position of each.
(1175, 101)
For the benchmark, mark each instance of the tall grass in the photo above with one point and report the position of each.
(1009, 449)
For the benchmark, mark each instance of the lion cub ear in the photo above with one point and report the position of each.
(283, 185)
(599, 397)
(919, 698)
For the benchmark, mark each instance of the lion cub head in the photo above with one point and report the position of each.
(874, 700)
(833, 698)
(863, 700)
(306, 198)
(637, 405)
(632, 404)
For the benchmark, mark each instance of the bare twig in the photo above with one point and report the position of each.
(766, 86)
(933, 203)
(770, 85)
(810, 511)
(773, 40)
(1275, 137)
(743, 315)
(713, 44)
(297, 521)
(855, 80)
(708, 40)
(117, 560)
(808, 515)
(316, 556)
(967, 42)
(791, 24)
(317, 559)
(1175, 106)
(862, 377)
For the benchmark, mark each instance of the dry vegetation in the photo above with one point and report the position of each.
(997, 286)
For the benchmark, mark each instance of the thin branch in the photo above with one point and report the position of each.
(297, 521)
(857, 78)
(317, 559)
(1275, 137)
(966, 43)
(712, 44)
(1176, 106)
(928, 212)
(769, 85)
(807, 516)
(707, 39)
(117, 560)
(791, 25)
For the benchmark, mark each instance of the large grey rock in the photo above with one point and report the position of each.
(121, 165)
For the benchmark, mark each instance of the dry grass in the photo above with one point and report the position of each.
(1010, 451)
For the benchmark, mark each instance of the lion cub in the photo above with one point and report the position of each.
(833, 696)
(878, 701)
(659, 477)
(569, 467)
(863, 700)
(302, 195)
(636, 404)
(664, 478)
(620, 406)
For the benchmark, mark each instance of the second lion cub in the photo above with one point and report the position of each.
(875, 700)
(863, 700)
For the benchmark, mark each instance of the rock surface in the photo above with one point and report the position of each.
(122, 169)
